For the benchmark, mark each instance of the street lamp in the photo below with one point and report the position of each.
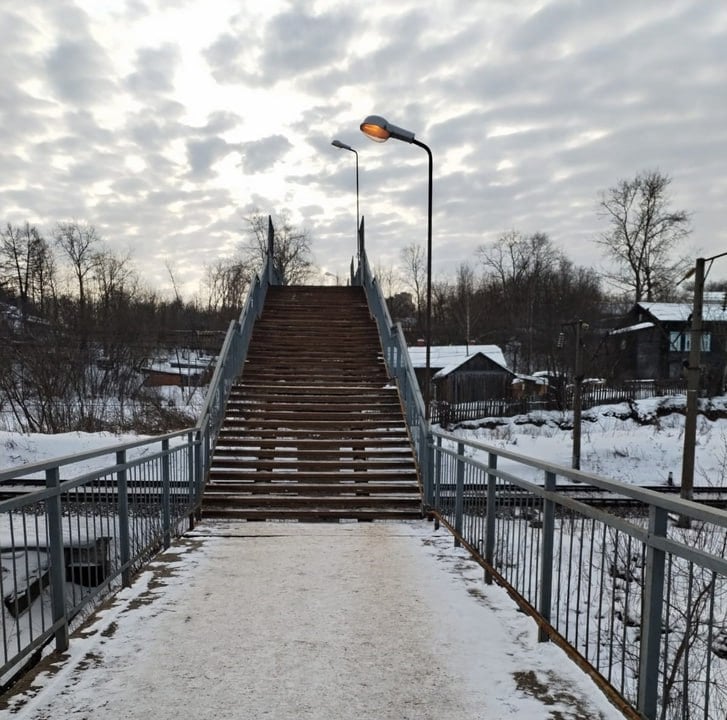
(343, 146)
(380, 130)
(693, 370)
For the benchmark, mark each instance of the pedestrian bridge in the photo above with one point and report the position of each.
(314, 423)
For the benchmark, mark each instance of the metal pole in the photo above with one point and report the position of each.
(651, 617)
(358, 242)
(546, 567)
(124, 540)
(577, 390)
(459, 493)
(166, 499)
(428, 371)
(54, 515)
(491, 518)
(690, 421)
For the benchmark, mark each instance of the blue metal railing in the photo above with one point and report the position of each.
(103, 514)
(399, 366)
(636, 599)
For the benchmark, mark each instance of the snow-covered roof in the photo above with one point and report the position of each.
(453, 366)
(535, 378)
(442, 356)
(632, 328)
(680, 312)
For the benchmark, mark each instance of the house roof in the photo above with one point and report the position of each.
(458, 363)
(442, 356)
(680, 312)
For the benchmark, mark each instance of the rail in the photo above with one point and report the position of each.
(103, 514)
(637, 600)
(399, 366)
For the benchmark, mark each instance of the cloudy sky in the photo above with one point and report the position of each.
(164, 123)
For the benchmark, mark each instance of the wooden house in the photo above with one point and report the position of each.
(464, 373)
(654, 342)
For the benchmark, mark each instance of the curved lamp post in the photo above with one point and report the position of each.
(343, 146)
(380, 130)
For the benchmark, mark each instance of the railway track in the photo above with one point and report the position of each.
(511, 495)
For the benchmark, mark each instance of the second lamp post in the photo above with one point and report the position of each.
(343, 146)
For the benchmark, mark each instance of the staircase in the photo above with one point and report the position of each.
(313, 429)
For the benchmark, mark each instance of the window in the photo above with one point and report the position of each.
(682, 341)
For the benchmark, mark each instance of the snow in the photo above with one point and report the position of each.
(445, 355)
(384, 620)
(641, 450)
(286, 620)
(680, 312)
(632, 328)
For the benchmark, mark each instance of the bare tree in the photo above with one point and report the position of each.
(530, 290)
(78, 242)
(25, 263)
(226, 282)
(291, 250)
(414, 264)
(644, 233)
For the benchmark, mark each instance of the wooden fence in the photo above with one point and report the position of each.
(446, 413)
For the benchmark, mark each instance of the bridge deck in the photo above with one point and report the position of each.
(299, 621)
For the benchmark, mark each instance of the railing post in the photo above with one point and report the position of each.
(198, 473)
(54, 514)
(491, 517)
(459, 493)
(191, 484)
(546, 568)
(651, 617)
(429, 450)
(166, 510)
(123, 494)
(437, 479)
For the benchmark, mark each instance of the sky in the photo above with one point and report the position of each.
(165, 123)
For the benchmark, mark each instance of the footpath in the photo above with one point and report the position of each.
(290, 621)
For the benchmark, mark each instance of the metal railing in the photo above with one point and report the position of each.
(398, 363)
(103, 514)
(635, 599)
(639, 601)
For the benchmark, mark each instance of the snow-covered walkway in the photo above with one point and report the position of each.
(311, 622)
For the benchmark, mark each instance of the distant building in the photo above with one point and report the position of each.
(655, 338)
(464, 373)
(190, 369)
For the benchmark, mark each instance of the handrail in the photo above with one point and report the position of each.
(99, 525)
(400, 368)
(622, 594)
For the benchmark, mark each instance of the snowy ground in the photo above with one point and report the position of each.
(295, 621)
(641, 451)
(480, 652)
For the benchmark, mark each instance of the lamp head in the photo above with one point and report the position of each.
(379, 129)
(339, 144)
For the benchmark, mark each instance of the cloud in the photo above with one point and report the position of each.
(79, 72)
(204, 153)
(156, 68)
(260, 155)
(177, 116)
(289, 46)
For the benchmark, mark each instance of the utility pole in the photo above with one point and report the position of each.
(577, 395)
(690, 420)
